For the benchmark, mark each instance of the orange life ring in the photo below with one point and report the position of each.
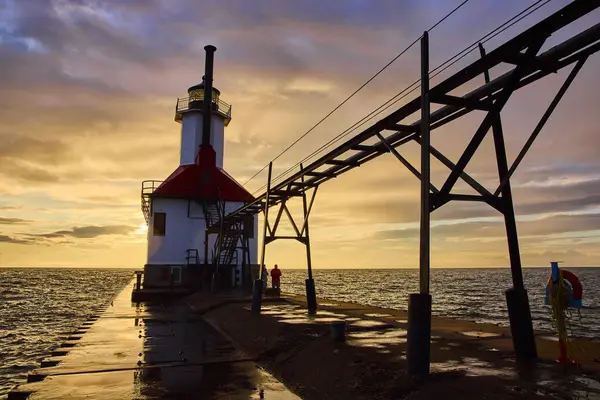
(576, 292)
(575, 283)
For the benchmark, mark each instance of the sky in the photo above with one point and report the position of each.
(87, 96)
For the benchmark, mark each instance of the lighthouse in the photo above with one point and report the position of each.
(186, 244)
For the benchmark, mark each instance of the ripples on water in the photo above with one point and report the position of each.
(474, 294)
(39, 305)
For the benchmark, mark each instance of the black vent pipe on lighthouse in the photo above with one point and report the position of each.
(208, 86)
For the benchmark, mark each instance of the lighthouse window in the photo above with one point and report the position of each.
(198, 95)
(160, 224)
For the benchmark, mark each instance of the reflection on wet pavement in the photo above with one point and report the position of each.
(377, 339)
(480, 334)
(452, 354)
(249, 382)
(540, 379)
(368, 323)
(378, 315)
(568, 386)
(473, 367)
(362, 332)
(294, 314)
(151, 352)
(550, 338)
(491, 349)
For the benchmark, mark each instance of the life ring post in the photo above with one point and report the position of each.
(563, 290)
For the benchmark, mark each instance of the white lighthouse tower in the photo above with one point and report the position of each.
(186, 247)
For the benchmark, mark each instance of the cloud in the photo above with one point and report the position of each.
(10, 208)
(395, 199)
(12, 240)
(13, 221)
(545, 226)
(87, 232)
(65, 236)
(43, 151)
(33, 161)
(27, 173)
(88, 89)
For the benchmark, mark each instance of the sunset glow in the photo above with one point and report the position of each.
(87, 97)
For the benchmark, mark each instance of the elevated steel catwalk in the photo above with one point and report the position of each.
(531, 67)
(526, 67)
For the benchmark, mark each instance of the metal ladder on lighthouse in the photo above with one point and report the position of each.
(228, 237)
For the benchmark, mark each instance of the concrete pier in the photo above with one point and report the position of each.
(468, 360)
(143, 351)
(209, 345)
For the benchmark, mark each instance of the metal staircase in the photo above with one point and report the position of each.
(212, 212)
(226, 245)
(148, 187)
(224, 251)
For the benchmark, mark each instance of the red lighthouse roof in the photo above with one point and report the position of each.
(203, 181)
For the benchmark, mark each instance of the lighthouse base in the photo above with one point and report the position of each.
(159, 294)
(172, 276)
(195, 276)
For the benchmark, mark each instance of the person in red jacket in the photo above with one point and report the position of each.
(276, 277)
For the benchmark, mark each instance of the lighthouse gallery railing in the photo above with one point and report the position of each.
(183, 104)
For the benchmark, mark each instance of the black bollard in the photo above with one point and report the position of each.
(521, 327)
(338, 331)
(419, 334)
(138, 280)
(311, 296)
(257, 296)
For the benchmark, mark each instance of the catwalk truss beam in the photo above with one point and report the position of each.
(526, 65)
(301, 233)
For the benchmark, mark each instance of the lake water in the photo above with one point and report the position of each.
(39, 305)
(474, 294)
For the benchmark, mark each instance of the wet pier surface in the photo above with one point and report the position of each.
(469, 360)
(149, 352)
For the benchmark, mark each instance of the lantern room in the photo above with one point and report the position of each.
(195, 102)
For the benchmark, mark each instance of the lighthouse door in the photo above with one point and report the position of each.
(176, 273)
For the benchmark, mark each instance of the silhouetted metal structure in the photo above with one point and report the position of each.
(391, 132)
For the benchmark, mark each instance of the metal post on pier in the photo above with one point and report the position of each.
(419, 304)
(138, 280)
(311, 294)
(258, 282)
(517, 300)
